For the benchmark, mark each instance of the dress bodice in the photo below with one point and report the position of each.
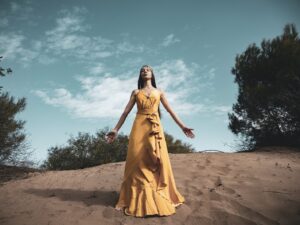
(147, 104)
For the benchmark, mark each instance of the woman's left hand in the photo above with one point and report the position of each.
(188, 132)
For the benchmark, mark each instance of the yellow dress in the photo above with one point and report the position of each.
(148, 186)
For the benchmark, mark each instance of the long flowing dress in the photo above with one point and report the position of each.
(148, 186)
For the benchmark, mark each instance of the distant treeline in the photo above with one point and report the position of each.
(88, 150)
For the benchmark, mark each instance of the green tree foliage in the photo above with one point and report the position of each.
(13, 146)
(4, 72)
(267, 111)
(177, 146)
(87, 150)
(12, 136)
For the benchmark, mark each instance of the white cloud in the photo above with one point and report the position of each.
(182, 83)
(107, 96)
(169, 40)
(12, 48)
(126, 46)
(11, 45)
(132, 62)
(220, 110)
(97, 69)
(173, 73)
(68, 38)
(99, 98)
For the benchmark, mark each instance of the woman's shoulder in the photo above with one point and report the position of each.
(135, 91)
(160, 90)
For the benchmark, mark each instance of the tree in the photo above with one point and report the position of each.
(4, 72)
(176, 146)
(86, 150)
(267, 111)
(13, 146)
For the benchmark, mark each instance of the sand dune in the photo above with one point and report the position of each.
(220, 188)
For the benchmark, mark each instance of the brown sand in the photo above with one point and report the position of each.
(220, 188)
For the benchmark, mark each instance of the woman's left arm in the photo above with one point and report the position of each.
(187, 131)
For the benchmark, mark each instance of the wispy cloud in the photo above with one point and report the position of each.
(125, 47)
(12, 47)
(169, 40)
(99, 68)
(99, 97)
(132, 62)
(69, 38)
(107, 96)
(184, 83)
(20, 10)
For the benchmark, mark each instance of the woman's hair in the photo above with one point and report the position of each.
(141, 82)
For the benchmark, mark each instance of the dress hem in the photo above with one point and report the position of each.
(124, 210)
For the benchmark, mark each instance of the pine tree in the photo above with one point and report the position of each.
(267, 111)
(13, 147)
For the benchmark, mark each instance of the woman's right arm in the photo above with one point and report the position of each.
(127, 110)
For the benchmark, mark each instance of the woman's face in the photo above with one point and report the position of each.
(146, 73)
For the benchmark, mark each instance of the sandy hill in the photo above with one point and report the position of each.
(220, 188)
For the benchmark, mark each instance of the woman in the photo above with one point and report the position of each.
(148, 186)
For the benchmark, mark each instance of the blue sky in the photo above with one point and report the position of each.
(77, 62)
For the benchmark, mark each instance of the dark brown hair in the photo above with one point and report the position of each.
(141, 82)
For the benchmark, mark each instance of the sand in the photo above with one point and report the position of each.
(220, 188)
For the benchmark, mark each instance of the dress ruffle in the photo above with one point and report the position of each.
(144, 200)
(155, 150)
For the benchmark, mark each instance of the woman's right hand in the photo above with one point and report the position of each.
(111, 136)
(188, 132)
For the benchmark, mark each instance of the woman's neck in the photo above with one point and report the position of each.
(148, 84)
